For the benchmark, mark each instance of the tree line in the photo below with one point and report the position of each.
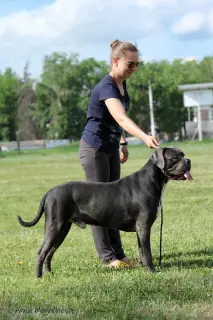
(55, 105)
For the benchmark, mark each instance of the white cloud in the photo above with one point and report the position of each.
(190, 22)
(83, 26)
(50, 21)
(77, 21)
(156, 3)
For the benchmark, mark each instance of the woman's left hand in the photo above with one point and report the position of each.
(124, 154)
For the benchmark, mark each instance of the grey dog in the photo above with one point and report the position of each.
(129, 204)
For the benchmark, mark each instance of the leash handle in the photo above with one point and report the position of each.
(161, 235)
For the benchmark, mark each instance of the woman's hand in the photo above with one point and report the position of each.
(124, 153)
(151, 142)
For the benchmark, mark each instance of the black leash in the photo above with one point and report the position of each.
(161, 235)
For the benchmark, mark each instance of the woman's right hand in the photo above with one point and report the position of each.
(151, 142)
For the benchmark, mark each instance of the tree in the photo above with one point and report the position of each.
(63, 94)
(9, 92)
(27, 126)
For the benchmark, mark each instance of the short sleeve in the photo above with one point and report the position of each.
(108, 90)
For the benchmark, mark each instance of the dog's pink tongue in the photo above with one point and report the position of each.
(187, 175)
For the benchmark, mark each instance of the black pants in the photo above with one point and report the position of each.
(102, 167)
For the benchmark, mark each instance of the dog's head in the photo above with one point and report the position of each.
(172, 163)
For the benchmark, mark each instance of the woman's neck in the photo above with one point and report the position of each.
(117, 79)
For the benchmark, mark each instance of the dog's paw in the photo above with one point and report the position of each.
(150, 268)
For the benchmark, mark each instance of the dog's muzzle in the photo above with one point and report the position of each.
(185, 174)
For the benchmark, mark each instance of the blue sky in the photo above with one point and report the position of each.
(163, 29)
(9, 6)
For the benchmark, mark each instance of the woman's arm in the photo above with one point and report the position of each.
(123, 138)
(118, 112)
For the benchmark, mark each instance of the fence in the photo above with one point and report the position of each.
(32, 144)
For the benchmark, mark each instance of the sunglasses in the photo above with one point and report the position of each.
(132, 64)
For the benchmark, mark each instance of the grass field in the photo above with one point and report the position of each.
(80, 288)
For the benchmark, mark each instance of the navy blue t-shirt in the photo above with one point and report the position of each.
(102, 132)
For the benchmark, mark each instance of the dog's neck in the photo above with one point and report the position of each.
(156, 176)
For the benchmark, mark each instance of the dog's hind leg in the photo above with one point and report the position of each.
(62, 235)
(48, 243)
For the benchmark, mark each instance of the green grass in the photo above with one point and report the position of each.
(79, 285)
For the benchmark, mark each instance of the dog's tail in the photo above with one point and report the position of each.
(37, 217)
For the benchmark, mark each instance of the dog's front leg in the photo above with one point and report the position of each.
(144, 248)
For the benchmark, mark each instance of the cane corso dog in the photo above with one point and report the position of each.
(129, 204)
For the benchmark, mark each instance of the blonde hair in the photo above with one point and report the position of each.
(119, 48)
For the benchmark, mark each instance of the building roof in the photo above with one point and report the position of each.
(196, 86)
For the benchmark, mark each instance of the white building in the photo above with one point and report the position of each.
(198, 98)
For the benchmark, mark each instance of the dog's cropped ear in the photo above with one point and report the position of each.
(158, 158)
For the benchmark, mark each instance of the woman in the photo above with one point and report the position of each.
(104, 135)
